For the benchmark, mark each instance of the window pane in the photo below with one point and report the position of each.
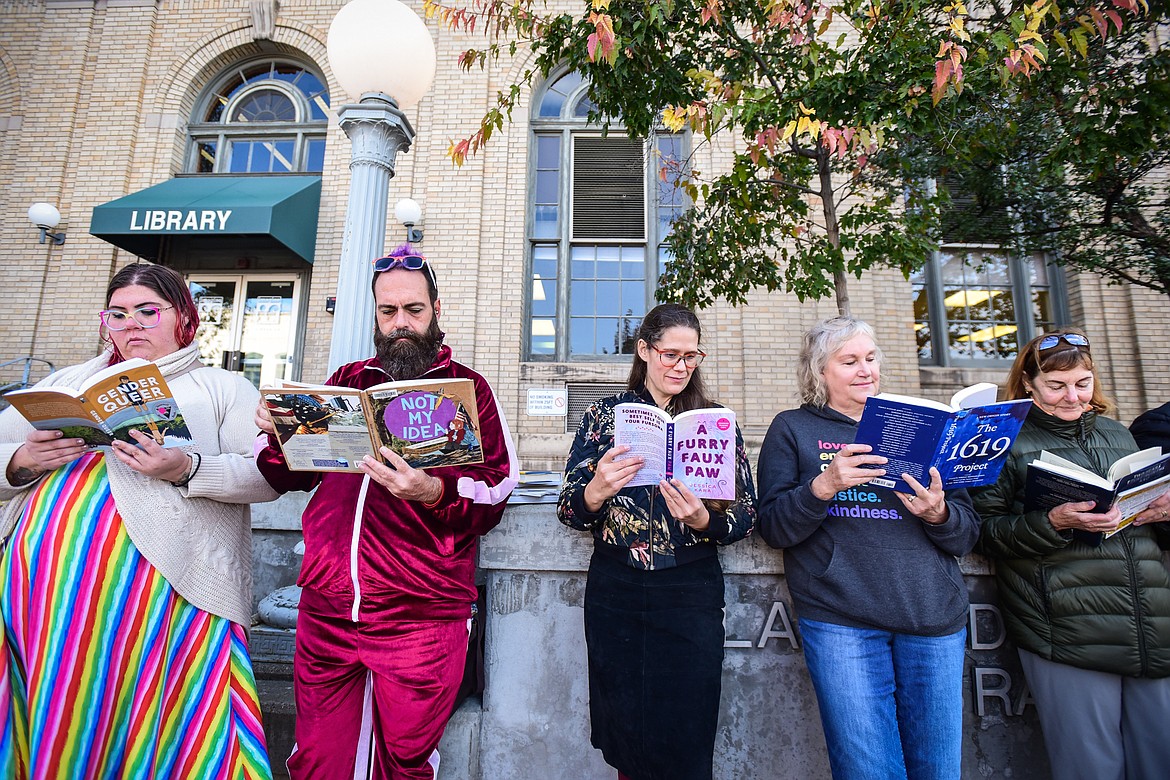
(922, 336)
(581, 341)
(544, 293)
(545, 223)
(206, 160)
(608, 269)
(315, 155)
(554, 96)
(240, 155)
(543, 265)
(260, 156)
(544, 337)
(609, 297)
(543, 332)
(550, 105)
(634, 298)
(633, 262)
(918, 284)
(627, 334)
(267, 105)
(583, 265)
(546, 186)
(544, 300)
(666, 218)
(582, 298)
(609, 338)
(584, 106)
(664, 257)
(548, 151)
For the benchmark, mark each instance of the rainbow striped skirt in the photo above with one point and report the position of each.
(105, 671)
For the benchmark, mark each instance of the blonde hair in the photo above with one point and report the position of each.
(821, 342)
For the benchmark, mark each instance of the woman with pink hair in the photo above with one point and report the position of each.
(125, 575)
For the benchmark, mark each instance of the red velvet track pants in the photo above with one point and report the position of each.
(414, 671)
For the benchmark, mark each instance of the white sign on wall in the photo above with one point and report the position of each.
(548, 401)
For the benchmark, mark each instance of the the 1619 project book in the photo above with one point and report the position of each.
(131, 395)
(967, 441)
(1133, 483)
(430, 423)
(696, 447)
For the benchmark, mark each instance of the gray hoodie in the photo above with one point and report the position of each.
(859, 559)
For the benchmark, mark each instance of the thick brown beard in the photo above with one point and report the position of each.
(404, 354)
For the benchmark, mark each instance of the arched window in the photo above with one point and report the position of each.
(599, 214)
(260, 116)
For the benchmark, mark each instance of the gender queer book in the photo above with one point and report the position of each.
(430, 423)
(1133, 483)
(696, 447)
(131, 395)
(967, 441)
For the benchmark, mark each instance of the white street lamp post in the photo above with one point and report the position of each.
(381, 51)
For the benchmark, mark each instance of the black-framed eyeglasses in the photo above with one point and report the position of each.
(672, 359)
(146, 316)
(410, 263)
(1073, 339)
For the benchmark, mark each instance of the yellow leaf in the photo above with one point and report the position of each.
(673, 118)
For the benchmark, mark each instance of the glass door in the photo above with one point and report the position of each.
(248, 323)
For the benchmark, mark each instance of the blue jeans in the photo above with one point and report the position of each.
(891, 704)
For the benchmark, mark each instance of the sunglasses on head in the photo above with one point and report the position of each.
(1073, 339)
(410, 263)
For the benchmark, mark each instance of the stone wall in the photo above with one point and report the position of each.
(533, 720)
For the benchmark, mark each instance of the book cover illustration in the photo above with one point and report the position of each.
(319, 431)
(429, 424)
(131, 395)
(696, 447)
(968, 445)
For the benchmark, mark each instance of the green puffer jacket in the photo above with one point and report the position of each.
(1105, 608)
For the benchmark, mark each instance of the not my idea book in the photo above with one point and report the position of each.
(429, 423)
(131, 395)
(696, 447)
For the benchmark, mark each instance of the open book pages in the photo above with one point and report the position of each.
(1121, 467)
(982, 394)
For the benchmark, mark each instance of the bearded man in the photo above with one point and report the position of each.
(389, 566)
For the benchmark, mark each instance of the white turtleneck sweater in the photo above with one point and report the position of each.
(198, 536)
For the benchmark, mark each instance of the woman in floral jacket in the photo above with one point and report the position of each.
(654, 596)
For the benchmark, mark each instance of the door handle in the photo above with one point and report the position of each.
(232, 360)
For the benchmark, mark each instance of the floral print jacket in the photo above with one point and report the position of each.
(637, 519)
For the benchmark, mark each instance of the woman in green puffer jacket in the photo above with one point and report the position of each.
(1090, 616)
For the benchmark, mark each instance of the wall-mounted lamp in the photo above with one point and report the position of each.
(46, 217)
(409, 213)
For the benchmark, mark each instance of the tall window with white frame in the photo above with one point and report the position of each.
(599, 216)
(266, 115)
(977, 303)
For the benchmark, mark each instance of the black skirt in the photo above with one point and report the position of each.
(655, 642)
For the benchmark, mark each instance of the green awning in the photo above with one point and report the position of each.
(193, 208)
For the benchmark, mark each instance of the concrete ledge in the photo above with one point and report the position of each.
(459, 748)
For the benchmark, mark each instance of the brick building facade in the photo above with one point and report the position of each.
(101, 99)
